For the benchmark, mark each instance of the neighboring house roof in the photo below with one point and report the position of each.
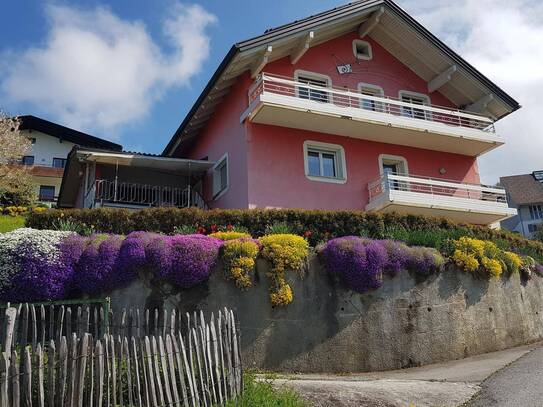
(29, 122)
(523, 189)
(396, 31)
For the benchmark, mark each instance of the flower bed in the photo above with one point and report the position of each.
(51, 265)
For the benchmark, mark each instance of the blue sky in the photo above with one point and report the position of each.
(129, 70)
(236, 20)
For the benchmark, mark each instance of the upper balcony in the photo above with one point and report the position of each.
(285, 102)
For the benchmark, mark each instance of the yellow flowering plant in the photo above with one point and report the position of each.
(284, 252)
(239, 257)
(230, 235)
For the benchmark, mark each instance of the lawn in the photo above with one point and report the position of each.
(9, 223)
(263, 394)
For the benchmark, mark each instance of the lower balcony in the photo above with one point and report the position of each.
(134, 195)
(462, 202)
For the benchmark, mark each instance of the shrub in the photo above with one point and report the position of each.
(425, 260)
(323, 225)
(264, 394)
(358, 262)
(239, 258)
(284, 252)
(184, 261)
(69, 225)
(29, 262)
(230, 235)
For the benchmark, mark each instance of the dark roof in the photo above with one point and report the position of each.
(327, 17)
(29, 122)
(523, 189)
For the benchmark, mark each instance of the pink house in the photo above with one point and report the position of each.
(359, 107)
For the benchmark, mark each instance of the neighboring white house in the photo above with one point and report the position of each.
(525, 193)
(51, 144)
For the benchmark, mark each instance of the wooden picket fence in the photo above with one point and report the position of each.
(194, 363)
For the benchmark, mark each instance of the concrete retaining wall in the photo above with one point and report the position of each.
(408, 322)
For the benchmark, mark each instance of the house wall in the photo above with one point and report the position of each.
(224, 134)
(276, 161)
(277, 176)
(525, 219)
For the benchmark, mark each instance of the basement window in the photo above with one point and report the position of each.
(362, 50)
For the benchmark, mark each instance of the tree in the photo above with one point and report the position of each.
(16, 186)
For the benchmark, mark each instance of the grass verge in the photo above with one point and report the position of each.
(9, 223)
(263, 394)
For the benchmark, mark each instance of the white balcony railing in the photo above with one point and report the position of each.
(346, 98)
(390, 182)
(146, 195)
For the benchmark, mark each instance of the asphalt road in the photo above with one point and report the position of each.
(518, 385)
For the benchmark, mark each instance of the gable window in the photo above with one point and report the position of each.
(371, 90)
(362, 50)
(324, 162)
(47, 193)
(220, 177)
(415, 99)
(28, 160)
(315, 80)
(536, 211)
(59, 162)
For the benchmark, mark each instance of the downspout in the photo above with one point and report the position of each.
(189, 193)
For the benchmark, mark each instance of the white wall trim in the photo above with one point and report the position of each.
(366, 43)
(364, 85)
(398, 158)
(218, 163)
(340, 154)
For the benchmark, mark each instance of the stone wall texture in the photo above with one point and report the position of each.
(410, 321)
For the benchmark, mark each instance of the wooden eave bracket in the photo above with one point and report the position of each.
(261, 63)
(441, 79)
(481, 104)
(367, 26)
(302, 48)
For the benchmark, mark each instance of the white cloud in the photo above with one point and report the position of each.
(503, 39)
(98, 71)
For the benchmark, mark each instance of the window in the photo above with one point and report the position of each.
(47, 193)
(324, 162)
(394, 164)
(315, 80)
(362, 50)
(28, 160)
(536, 211)
(371, 90)
(414, 99)
(59, 162)
(532, 227)
(220, 177)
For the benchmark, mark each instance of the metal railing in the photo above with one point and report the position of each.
(146, 194)
(347, 98)
(434, 186)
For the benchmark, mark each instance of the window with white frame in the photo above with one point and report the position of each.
(315, 80)
(220, 176)
(324, 162)
(362, 50)
(536, 211)
(371, 90)
(414, 99)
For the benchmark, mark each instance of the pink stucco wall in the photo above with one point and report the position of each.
(277, 177)
(225, 134)
(266, 162)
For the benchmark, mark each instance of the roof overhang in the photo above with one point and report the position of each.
(395, 30)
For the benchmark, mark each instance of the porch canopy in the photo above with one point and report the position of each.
(179, 165)
(79, 158)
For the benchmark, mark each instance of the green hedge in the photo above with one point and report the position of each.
(317, 225)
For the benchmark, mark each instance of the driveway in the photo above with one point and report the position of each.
(441, 385)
